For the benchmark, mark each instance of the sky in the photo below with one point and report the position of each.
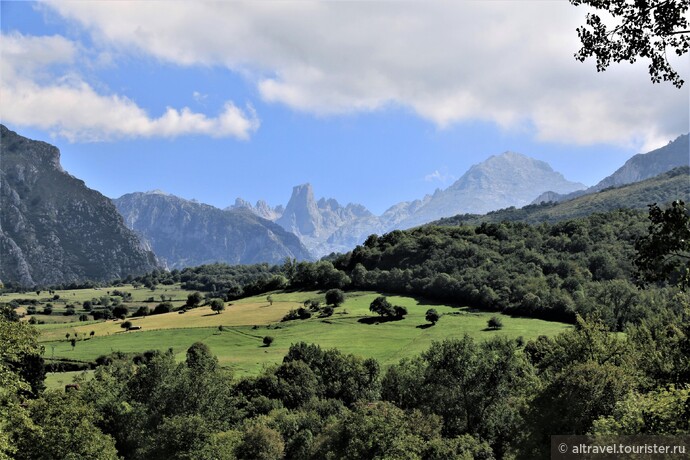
(370, 102)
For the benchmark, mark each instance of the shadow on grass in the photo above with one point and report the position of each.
(379, 319)
(425, 326)
(491, 329)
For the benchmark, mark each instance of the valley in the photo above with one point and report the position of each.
(246, 321)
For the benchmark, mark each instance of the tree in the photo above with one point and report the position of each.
(260, 442)
(217, 305)
(399, 311)
(193, 300)
(63, 426)
(378, 430)
(126, 325)
(661, 411)
(269, 299)
(164, 307)
(335, 297)
(664, 254)
(268, 340)
(381, 306)
(432, 316)
(645, 29)
(494, 323)
(200, 358)
(120, 311)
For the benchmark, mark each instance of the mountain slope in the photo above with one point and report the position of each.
(662, 189)
(184, 233)
(55, 230)
(640, 167)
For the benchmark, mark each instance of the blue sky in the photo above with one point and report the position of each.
(373, 103)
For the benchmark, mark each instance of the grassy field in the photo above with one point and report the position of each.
(246, 321)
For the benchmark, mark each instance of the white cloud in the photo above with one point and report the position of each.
(442, 176)
(506, 62)
(71, 108)
(199, 97)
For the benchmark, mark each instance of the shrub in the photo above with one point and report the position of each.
(142, 311)
(300, 313)
(432, 316)
(399, 311)
(120, 311)
(163, 307)
(495, 323)
(268, 340)
(335, 297)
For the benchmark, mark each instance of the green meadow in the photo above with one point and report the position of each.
(239, 343)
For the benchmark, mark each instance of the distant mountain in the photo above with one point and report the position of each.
(640, 167)
(325, 226)
(54, 229)
(662, 189)
(509, 179)
(315, 222)
(184, 233)
(261, 209)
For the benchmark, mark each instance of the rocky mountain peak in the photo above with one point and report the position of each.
(501, 181)
(240, 203)
(38, 152)
(301, 215)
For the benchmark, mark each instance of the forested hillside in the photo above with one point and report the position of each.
(549, 271)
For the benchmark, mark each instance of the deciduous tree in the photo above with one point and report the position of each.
(642, 29)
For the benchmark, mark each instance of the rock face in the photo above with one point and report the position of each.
(315, 222)
(638, 168)
(501, 181)
(54, 229)
(185, 233)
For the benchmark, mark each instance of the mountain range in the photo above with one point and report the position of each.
(510, 180)
(55, 230)
(185, 233)
(325, 226)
